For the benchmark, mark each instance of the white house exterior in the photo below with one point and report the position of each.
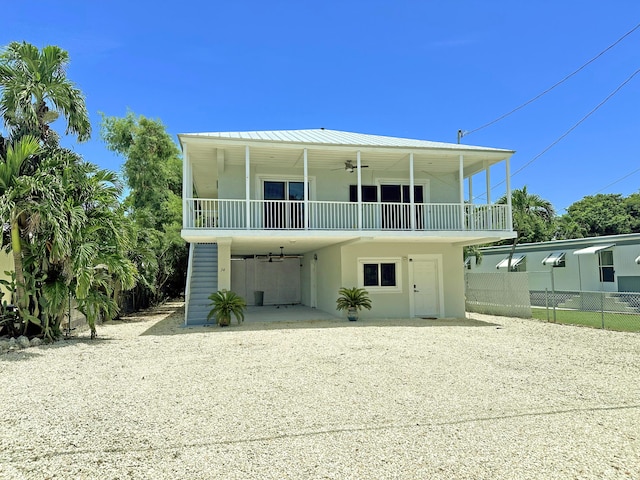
(297, 214)
(609, 264)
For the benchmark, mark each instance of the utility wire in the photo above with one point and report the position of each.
(616, 181)
(464, 133)
(556, 141)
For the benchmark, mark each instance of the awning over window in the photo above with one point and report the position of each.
(555, 259)
(593, 249)
(514, 261)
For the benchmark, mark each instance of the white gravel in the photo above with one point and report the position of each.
(515, 399)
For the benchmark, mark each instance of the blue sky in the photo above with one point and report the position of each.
(416, 69)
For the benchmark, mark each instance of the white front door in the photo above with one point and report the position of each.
(426, 288)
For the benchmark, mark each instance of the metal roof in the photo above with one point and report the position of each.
(323, 136)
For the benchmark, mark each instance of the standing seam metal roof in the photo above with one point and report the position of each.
(336, 137)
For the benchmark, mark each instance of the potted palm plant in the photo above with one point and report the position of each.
(353, 300)
(224, 303)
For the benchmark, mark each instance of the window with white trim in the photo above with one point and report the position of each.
(380, 274)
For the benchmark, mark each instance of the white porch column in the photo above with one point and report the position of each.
(461, 184)
(359, 173)
(509, 214)
(471, 189)
(412, 200)
(487, 170)
(224, 263)
(306, 191)
(247, 186)
(186, 184)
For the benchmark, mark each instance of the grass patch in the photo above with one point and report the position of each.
(622, 322)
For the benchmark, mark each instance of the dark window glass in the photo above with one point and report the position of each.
(274, 191)
(296, 190)
(371, 275)
(391, 193)
(369, 193)
(607, 274)
(388, 274)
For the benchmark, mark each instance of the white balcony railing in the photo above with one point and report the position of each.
(290, 215)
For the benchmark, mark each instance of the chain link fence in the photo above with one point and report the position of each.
(608, 310)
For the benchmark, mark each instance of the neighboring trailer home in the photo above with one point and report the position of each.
(609, 264)
(289, 217)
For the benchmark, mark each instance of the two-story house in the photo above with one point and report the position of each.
(289, 217)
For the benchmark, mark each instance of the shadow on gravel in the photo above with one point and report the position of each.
(173, 324)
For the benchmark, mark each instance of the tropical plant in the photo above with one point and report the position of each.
(353, 300)
(69, 235)
(35, 91)
(533, 218)
(17, 197)
(225, 303)
(153, 172)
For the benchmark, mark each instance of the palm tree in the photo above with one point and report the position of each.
(14, 202)
(533, 218)
(35, 91)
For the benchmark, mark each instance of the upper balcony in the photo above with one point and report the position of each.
(218, 214)
(258, 186)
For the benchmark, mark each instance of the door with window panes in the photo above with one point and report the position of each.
(284, 205)
(395, 208)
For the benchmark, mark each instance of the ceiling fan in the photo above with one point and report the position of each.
(350, 167)
(278, 258)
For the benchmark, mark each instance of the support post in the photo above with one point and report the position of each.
(412, 199)
(359, 173)
(305, 188)
(461, 185)
(224, 263)
(247, 186)
(186, 183)
(510, 215)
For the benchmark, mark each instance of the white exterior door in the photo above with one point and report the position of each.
(426, 285)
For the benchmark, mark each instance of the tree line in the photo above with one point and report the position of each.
(535, 219)
(72, 233)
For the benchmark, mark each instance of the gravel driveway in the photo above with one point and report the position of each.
(490, 398)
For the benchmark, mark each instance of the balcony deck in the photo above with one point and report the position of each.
(288, 215)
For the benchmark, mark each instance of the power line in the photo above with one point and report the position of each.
(616, 181)
(464, 133)
(557, 140)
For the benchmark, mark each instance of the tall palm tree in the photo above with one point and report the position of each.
(35, 91)
(533, 218)
(90, 258)
(14, 202)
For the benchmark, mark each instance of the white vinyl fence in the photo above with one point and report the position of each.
(499, 293)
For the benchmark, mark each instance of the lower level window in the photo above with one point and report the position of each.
(379, 274)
